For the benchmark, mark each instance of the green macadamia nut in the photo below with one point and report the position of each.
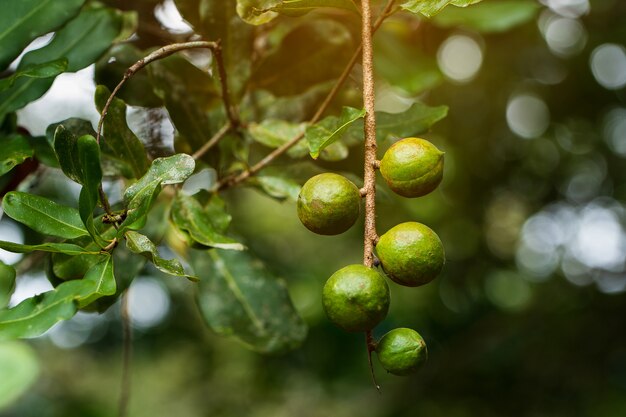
(329, 204)
(412, 167)
(402, 351)
(411, 254)
(356, 298)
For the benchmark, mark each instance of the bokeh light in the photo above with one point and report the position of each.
(460, 58)
(148, 302)
(527, 115)
(608, 64)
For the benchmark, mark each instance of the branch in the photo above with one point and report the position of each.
(238, 178)
(369, 175)
(213, 141)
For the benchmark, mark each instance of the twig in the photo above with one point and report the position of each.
(127, 356)
(161, 53)
(153, 56)
(236, 179)
(213, 141)
(371, 347)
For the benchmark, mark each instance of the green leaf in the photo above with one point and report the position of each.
(139, 196)
(275, 133)
(14, 150)
(45, 70)
(330, 129)
(189, 216)
(111, 67)
(35, 315)
(490, 16)
(102, 280)
(19, 369)
(258, 12)
(141, 245)
(312, 53)
(429, 8)
(43, 215)
(279, 187)
(65, 146)
(7, 283)
(218, 19)
(239, 298)
(66, 248)
(121, 141)
(21, 21)
(81, 42)
(416, 120)
(189, 94)
(89, 160)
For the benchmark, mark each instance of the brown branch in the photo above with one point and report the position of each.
(153, 56)
(213, 141)
(238, 178)
(127, 356)
(369, 174)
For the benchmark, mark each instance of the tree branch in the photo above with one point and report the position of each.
(369, 174)
(233, 180)
(213, 141)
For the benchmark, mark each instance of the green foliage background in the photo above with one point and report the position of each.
(503, 340)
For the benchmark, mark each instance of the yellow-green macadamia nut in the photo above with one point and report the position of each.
(356, 298)
(412, 167)
(402, 351)
(329, 204)
(411, 254)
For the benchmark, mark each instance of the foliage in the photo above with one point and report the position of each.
(278, 76)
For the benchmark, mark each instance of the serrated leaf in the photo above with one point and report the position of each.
(279, 187)
(35, 315)
(330, 129)
(121, 141)
(239, 298)
(19, 368)
(7, 283)
(14, 150)
(139, 196)
(21, 21)
(81, 42)
(189, 216)
(490, 16)
(275, 133)
(89, 160)
(43, 215)
(66, 248)
(429, 8)
(312, 53)
(44, 70)
(141, 245)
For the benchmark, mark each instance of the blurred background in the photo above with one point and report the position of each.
(529, 315)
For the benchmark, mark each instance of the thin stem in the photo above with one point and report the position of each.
(371, 347)
(104, 200)
(213, 141)
(238, 178)
(153, 56)
(127, 356)
(221, 69)
(369, 175)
